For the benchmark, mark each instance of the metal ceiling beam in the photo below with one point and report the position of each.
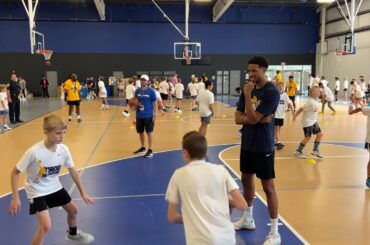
(100, 6)
(220, 7)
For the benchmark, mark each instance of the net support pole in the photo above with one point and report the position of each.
(31, 10)
(165, 16)
(187, 6)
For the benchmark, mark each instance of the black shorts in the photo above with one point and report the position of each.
(345, 89)
(336, 92)
(205, 120)
(164, 96)
(74, 102)
(56, 199)
(309, 131)
(259, 163)
(367, 146)
(292, 98)
(144, 123)
(279, 121)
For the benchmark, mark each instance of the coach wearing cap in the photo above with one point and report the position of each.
(146, 113)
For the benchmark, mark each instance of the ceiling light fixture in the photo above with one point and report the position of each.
(325, 1)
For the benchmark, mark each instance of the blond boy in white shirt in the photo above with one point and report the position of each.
(42, 163)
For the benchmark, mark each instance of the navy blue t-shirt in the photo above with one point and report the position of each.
(146, 97)
(260, 137)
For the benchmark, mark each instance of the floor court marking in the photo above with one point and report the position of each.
(116, 161)
(122, 197)
(71, 189)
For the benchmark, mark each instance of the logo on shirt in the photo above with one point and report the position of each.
(46, 171)
(255, 102)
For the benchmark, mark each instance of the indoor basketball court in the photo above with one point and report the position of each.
(321, 201)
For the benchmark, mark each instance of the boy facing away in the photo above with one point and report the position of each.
(366, 112)
(203, 191)
(205, 101)
(42, 163)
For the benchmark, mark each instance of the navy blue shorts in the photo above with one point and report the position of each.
(259, 163)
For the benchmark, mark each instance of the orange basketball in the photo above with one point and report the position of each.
(133, 102)
(48, 63)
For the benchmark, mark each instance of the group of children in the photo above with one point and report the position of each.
(309, 117)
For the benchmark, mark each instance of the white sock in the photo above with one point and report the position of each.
(248, 214)
(274, 226)
(78, 117)
(70, 117)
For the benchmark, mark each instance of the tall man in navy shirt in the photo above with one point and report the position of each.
(146, 113)
(256, 108)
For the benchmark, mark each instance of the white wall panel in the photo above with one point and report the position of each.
(350, 66)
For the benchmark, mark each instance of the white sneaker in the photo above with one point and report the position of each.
(316, 154)
(125, 114)
(6, 128)
(179, 111)
(273, 239)
(243, 224)
(81, 237)
(299, 154)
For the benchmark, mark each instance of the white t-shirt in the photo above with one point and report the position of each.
(311, 82)
(337, 85)
(357, 91)
(159, 98)
(137, 84)
(324, 82)
(42, 167)
(130, 91)
(193, 89)
(4, 98)
(345, 84)
(205, 98)
(329, 96)
(201, 86)
(309, 116)
(179, 89)
(282, 107)
(172, 88)
(202, 190)
(366, 112)
(163, 87)
(363, 86)
(102, 89)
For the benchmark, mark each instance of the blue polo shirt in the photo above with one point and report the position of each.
(260, 137)
(146, 97)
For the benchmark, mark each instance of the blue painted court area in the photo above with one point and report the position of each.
(230, 100)
(130, 207)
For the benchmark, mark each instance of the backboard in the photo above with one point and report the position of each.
(187, 50)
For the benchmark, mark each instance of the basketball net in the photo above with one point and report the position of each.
(188, 60)
(46, 53)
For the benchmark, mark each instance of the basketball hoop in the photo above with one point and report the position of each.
(46, 53)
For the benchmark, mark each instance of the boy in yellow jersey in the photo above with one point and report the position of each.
(73, 89)
(278, 77)
(291, 89)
